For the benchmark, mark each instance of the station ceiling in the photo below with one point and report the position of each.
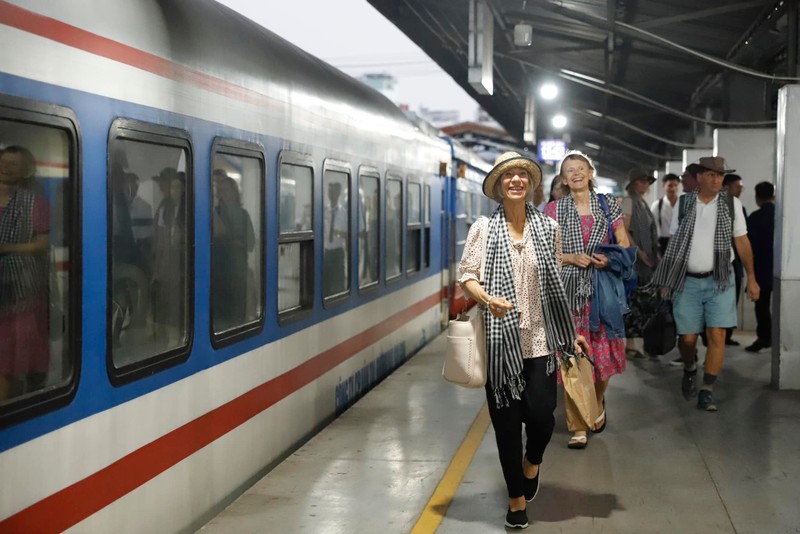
(639, 80)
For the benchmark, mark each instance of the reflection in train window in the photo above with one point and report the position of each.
(336, 233)
(414, 227)
(394, 227)
(368, 216)
(36, 191)
(426, 209)
(296, 239)
(149, 195)
(236, 241)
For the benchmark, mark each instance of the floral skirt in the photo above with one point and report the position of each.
(608, 354)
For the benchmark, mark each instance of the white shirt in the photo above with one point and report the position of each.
(340, 229)
(701, 253)
(664, 221)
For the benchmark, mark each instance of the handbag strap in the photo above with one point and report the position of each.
(484, 239)
(601, 199)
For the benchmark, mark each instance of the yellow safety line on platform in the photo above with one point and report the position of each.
(437, 506)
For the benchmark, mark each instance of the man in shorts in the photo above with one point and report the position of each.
(696, 270)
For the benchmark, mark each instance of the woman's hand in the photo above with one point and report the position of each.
(582, 346)
(581, 260)
(600, 261)
(499, 306)
(645, 258)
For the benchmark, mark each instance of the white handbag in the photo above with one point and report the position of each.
(465, 358)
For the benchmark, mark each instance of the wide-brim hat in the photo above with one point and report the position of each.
(716, 164)
(505, 162)
(637, 173)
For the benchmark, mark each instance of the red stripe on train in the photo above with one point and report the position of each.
(75, 503)
(75, 37)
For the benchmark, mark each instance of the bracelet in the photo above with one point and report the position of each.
(488, 301)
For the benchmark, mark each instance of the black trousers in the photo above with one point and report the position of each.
(764, 316)
(535, 410)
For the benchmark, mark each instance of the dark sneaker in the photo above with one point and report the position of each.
(688, 384)
(732, 343)
(677, 362)
(757, 346)
(705, 401)
(518, 519)
(531, 486)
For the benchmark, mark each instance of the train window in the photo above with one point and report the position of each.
(426, 210)
(38, 281)
(368, 216)
(296, 238)
(150, 234)
(462, 206)
(237, 292)
(414, 227)
(394, 227)
(476, 206)
(336, 233)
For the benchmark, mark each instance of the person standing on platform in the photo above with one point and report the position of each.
(641, 227)
(696, 272)
(662, 209)
(732, 183)
(761, 229)
(528, 325)
(585, 223)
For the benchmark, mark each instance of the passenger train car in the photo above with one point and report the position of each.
(211, 243)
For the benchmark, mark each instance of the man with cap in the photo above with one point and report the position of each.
(696, 271)
(641, 227)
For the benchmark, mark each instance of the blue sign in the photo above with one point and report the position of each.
(552, 149)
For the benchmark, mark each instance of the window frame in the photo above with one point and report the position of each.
(236, 147)
(414, 226)
(45, 114)
(370, 172)
(398, 177)
(150, 133)
(290, 157)
(427, 191)
(343, 167)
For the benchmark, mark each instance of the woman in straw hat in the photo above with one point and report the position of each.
(584, 223)
(528, 325)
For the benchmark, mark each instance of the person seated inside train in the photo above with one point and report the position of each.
(233, 241)
(24, 280)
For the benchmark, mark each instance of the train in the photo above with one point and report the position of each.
(234, 241)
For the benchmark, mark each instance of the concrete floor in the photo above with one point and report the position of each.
(661, 466)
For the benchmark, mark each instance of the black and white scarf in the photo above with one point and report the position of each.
(671, 272)
(578, 281)
(504, 346)
(22, 277)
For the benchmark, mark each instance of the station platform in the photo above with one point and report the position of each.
(417, 455)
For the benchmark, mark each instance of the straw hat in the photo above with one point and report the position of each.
(505, 162)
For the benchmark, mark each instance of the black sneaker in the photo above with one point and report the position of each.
(757, 346)
(531, 486)
(732, 343)
(518, 519)
(688, 384)
(678, 362)
(705, 401)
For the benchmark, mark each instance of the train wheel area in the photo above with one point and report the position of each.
(417, 454)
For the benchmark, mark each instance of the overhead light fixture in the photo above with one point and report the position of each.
(548, 91)
(523, 34)
(591, 145)
(559, 121)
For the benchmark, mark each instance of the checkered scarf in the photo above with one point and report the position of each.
(578, 281)
(21, 277)
(671, 272)
(504, 346)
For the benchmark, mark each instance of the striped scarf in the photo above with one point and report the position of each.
(578, 281)
(21, 277)
(504, 346)
(671, 272)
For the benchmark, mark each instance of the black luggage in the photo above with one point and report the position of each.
(659, 332)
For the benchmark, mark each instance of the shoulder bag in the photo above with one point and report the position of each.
(465, 357)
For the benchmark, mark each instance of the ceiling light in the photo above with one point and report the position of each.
(548, 91)
(523, 34)
(559, 121)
